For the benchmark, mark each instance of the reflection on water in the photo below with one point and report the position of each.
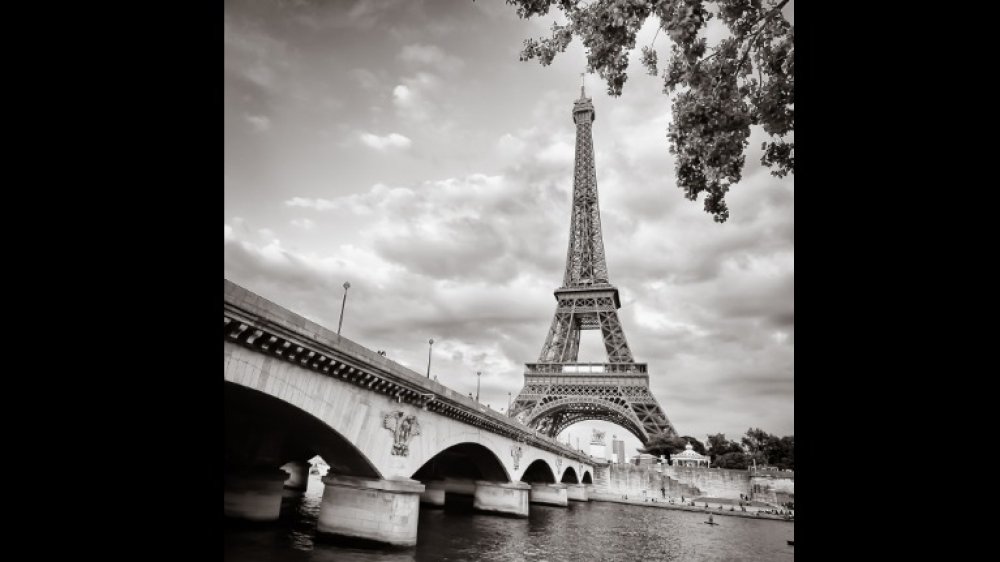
(582, 532)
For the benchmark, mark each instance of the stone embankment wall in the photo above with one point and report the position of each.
(634, 480)
(694, 482)
(713, 482)
(777, 488)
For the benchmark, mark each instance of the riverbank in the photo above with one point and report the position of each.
(666, 505)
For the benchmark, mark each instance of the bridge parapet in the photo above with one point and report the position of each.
(253, 321)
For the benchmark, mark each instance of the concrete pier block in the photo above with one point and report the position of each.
(254, 495)
(577, 492)
(433, 494)
(298, 475)
(503, 498)
(383, 511)
(549, 494)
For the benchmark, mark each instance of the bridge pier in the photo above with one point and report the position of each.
(549, 494)
(254, 494)
(577, 492)
(383, 511)
(433, 494)
(502, 498)
(298, 475)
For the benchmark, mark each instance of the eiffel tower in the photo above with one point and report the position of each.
(558, 390)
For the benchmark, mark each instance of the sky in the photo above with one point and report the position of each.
(400, 145)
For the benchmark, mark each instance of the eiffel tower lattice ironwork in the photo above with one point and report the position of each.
(558, 390)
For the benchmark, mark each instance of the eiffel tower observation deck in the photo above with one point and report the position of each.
(559, 390)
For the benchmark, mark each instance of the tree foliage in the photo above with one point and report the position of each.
(663, 444)
(735, 460)
(719, 91)
(769, 449)
(755, 441)
(719, 447)
(756, 444)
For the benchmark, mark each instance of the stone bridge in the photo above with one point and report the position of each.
(392, 437)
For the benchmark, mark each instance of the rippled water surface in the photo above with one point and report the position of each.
(582, 532)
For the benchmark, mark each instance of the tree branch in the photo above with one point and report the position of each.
(756, 34)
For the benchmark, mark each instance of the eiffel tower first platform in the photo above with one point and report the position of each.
(558, 390)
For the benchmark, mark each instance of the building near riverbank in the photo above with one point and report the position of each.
(618, 449)
(689, 457)
(598, 449)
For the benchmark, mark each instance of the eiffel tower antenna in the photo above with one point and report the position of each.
(559, 390)
(583, 82)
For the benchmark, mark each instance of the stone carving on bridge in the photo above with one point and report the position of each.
(558, 464)
(597, 437)
(543, 425)
(522, 417)
(403, 428)
(515, 451)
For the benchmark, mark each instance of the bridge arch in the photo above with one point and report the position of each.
(463, 460)
(587, 478)
(539, 472)
(569, 476)
(263, 428)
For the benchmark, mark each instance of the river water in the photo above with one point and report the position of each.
(583, 532)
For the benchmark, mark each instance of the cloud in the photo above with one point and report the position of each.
(392, 140)
(259, 122)
(319, 204)
(557, 153)
(366, 79)
(414, 98)
(476, 227)
(305, 224)
(432, 56)
(254, 55)
(403, 96)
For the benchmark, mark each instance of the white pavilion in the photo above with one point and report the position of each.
(689, 458)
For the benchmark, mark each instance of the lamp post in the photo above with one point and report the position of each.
(430, 346)
(478, 376)
(347, 286)
(508, 403)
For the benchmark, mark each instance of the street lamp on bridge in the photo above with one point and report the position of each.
(478, 376)
(347, 286)
(430, 346)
